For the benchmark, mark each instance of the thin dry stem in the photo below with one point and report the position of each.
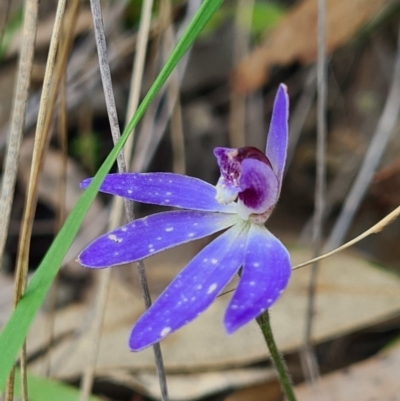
(61, 213)
(157, 116)
(18, 117)
(177, 138)
(299, 114)
(116, 215)
(384, 129)
(27, 220)
(237, 113)
(378, 227)
(177, 135)
(309, 359)
(373, 230)
(138, 70)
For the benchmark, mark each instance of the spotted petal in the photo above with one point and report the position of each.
(166, 189)
(265, 275)
(278, 132)
(150, 235)
(193, 290)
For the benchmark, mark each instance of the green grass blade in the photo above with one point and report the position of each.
(43, 389)
(14, 333)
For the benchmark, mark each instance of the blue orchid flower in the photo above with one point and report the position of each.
(240, 204)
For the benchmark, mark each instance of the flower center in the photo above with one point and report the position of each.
(247, 176)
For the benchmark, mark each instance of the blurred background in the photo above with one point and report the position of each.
(221, 94)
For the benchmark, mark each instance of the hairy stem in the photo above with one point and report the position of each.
(277, 358)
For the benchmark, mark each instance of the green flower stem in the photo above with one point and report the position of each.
(277, 358)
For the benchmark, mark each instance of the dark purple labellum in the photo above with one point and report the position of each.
(247, 176)
(250, 152)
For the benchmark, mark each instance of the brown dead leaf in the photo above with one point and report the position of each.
(374, 379)
(352, 294)
(191, 386)
(295, 38)
(270, 391)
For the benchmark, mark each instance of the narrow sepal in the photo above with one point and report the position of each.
(279, 132)
(193, 290)
(266, 273)
(165, 189)
(150, 235)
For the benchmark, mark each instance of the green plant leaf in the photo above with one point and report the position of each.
(43, 389)
(14, 333)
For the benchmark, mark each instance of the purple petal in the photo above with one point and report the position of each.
(150, 235)
(265, 275)
(259, 188)
(193, 290)
(278, 132)
(166, 189)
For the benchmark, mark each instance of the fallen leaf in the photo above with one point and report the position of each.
(352, 294)
(191, 386)
(270, 391)
(374, 379)
(295, 38)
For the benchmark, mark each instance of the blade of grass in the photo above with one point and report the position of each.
(14, 333)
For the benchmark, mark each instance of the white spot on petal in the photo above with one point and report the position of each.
(114, 238)
(123, 229)
(159, 238)
(129, 191)
(252, 283)
(199, 287)
(212, 288)
(214, 261)
(195, 224)
(165, 331)
(169, 229)
(168, 193)
(256, 264)
(191, 235)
